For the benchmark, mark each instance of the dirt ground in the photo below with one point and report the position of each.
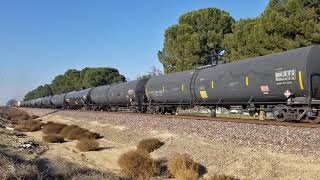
(244, 162)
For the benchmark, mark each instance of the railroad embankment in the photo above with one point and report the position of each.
(240, 150)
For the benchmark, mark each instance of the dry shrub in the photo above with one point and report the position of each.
(53, 138)
(149, 145)
(65, 131)
(221, 177)
(183, 167)
(10, 168)
(91, 135)
(28, 126)
(60, 168)
(11, 133)
(87, 145)
(17, 114)
(53, 128)
(137, 164)
(76, 133)
(17, 168)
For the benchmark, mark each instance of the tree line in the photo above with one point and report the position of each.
(73, 80)
(212, 34)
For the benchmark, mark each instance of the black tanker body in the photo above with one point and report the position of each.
(29, 104)
(58, 100)
(99, 97)
(25, 104)
(32, 102)
(165, 92)
(70, 99)
(128, 94)
(78, 99)
(46, 102)
(38, 102)
(279, 79)
(261, 80)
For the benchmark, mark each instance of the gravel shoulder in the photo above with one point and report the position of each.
(241, 150)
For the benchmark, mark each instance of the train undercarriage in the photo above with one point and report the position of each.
(282, 112)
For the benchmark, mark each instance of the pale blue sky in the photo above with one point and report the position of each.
(40, 39)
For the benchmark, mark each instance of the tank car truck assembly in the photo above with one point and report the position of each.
(286, 84)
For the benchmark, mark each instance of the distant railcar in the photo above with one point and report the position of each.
(58, 100)
(99, 97)
(128, 94)
(38, 102)
(78, 99)
(166, 92)
(46, 102)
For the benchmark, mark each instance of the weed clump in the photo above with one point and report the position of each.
(149, 145)
(28, 126)
(53, 138)
(183, 167)
(53, 128)
(76, 133)
(17, 114)
(138, 165)
(91, 135)
(87, 145)
(65, 131)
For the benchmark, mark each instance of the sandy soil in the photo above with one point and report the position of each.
(249, 162)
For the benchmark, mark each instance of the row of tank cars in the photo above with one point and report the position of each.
(287, 84)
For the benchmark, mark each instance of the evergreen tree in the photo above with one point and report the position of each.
(195, 39)
(284, 25)
(74, 80)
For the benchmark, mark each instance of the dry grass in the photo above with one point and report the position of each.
(91, 135)
(17, 114)
(65, 131)
(12, 168)
(53, 138)
(28, 126)
(221, 177)
(53, 128)
(137, 164)
(182, 167)
(87, 145)
(74, 132)
(61, 169)
(149, 145)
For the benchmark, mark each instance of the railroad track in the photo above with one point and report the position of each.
(216, 119)
(223, 119)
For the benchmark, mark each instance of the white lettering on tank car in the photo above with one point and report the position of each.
(285, 76)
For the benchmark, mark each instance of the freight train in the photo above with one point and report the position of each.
(286, 83)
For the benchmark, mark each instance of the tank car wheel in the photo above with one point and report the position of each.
(162, 111)
(280, 115)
